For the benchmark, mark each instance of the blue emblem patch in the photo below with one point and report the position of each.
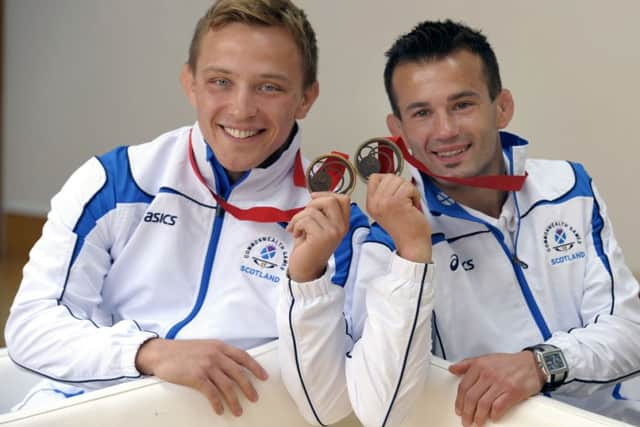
(269, 257)
(565, 242)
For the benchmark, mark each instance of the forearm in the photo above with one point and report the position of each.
(51, 329)
(313, 343)
(388, 366)
(46, 338)
(600, 354)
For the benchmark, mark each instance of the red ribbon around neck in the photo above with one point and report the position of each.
(268, 214)
(494, 182)
(256, 213)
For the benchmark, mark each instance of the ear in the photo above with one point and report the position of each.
(309, 96)
(187, 80)
(505, 108)
(394, 124)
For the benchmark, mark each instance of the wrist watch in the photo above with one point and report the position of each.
(552, 362)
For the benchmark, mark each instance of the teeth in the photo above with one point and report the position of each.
(451, 153)
(242, 134)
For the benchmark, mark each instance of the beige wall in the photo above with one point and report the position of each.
(82, 76)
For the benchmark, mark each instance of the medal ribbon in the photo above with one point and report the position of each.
(494, 182)
(335, 168)
(256, 213)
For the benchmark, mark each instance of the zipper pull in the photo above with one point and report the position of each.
(521, 263)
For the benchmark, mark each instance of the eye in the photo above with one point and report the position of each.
(421, 113)
(219, 82)
(269, 87)
(462, 105)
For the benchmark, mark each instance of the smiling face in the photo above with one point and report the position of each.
(447, 116)
(248, 92)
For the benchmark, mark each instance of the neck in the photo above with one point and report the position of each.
(234, 176)
(484, 200)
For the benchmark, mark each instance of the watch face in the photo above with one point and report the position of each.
(554, 361)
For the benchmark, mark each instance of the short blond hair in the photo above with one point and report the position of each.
(269, 13)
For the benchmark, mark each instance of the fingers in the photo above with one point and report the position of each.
(325, 212)
(335, 206)
(415, 197)
(213, 367)
(460, 368)
(480, 404)
(468, 380)
(234, 373)
(477, 392)
(228, 389)
(212, 394)
(385, 189)
(243, 358)
(389, 185)
(311, 222)
(470, 401)
(492, 384)
(484, 401)
(228, 378)
(231, 375)
(500, 406)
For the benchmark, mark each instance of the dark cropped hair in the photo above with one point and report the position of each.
(434, 40)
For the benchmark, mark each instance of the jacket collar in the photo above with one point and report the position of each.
(257, 184)
(542, 184)
(514, 150)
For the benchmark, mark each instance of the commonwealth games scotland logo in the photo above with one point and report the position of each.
(562, 239)
(264, 258)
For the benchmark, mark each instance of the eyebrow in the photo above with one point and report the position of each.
(270, 76)
(454, 97)
(463, 94)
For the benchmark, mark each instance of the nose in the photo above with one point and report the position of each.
(445, 127)
(244, 104)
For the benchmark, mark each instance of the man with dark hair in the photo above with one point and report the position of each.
(170, 258)
(533, 294)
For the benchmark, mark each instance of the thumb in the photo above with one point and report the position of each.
(460, 368)
(415, 201)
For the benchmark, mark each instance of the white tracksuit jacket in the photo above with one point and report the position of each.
(135, 247)
(549, 269)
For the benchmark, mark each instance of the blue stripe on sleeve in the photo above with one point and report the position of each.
(119, 187)
(344, 253)
(377, 234)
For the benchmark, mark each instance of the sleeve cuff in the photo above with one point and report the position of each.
(572, 357)
(320, 287)
(404, 277)
(129, 351)
(409, 270)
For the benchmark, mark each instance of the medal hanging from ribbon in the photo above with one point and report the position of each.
(378, 155)
(331, 172)
(387, 155)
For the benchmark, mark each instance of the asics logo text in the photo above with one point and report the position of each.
(161, 218)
